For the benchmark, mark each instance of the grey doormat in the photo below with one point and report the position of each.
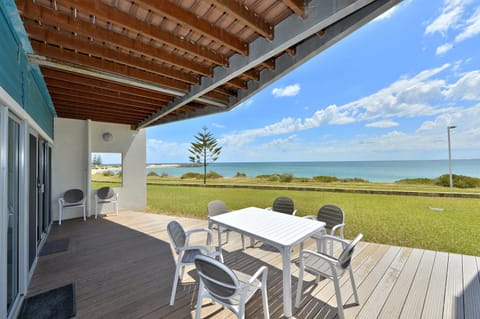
(57, 303)
(54, 246)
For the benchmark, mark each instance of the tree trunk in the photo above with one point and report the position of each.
(204, 166)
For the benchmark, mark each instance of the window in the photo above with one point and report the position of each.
(106, 170)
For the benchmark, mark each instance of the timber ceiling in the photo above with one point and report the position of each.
(148, 62)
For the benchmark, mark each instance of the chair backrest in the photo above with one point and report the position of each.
(284, 205)
(105, 193)
(219, 280)
(217, 207)
(346, 256)
(73, 196)
(330, 214)
(176, 234)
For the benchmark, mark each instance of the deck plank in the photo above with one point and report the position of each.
(123, 267)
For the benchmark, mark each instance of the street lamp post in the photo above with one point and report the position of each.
(450, 155)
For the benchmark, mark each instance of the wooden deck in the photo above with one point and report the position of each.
(123, 267)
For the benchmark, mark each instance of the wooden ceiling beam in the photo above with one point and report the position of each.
(237, 83)
(176, 13)
(121, 96)
(93, 97)
(53, 74)
(62, 107)
(216, 95)
(269, 64)
(44, 34)
(120, 18)
(104, 108)
(297, 6)
(68, 95)
(99, 118)
(60, 54)
(252, 74)
(245, 16)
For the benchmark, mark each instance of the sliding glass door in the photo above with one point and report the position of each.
(13, 182)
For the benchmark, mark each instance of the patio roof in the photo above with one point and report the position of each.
(123, 267)
(145, 63)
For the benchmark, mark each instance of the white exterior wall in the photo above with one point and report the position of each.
(75, 140)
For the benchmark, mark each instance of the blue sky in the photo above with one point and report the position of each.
(386, 92)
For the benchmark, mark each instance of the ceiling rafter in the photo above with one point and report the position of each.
(44, 34)
(176, 13)
(297, 6)
(56, 85)
(53, 74)
(96, 105)
(93, 96)
(98, 33)
(80, 59)
(245, 16)
(118, 17)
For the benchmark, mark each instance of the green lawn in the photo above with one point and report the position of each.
(387, 219)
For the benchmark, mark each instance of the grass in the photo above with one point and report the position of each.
(387, 219)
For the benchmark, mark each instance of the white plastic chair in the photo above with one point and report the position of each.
(217, 207)
(186, 253)
(323, 265)
(284, 205)
(231, 289)
(71, 198)
(106, 195)
(334, 219)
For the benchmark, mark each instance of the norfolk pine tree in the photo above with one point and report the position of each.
(204, 150)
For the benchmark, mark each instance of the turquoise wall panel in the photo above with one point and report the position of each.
(18, 77)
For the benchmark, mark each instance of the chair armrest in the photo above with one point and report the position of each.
(334, 238)
(61, 201)
(202, 248)
(116, 196)
(199, 230)
(268, 208)
(338, 227)
(294, 212)
(261, 271)
(331, 260)
(312, 217)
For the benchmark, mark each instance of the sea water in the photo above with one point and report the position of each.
(374, 171)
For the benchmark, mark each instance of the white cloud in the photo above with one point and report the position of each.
(383, 124)
(444, 48)
(166, 152)
(472, 27)
(409, 97)
(289, 90)
(448, 19)
(218, 125)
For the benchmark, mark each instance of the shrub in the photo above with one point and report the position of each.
(119, 174)
(459, 181)
(325, 179)
(273, 178)
(164, 174)
(213, 175)
(152, 173)
(108, 173)
(286, 177)
(301, 179)
(264, 176)
(190, 175)
(239, 174)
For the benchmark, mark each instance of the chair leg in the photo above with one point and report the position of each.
(60, 215)
(116, 208)
(266, 313)
(96, 209)
(199, 301)
(243, 242)
(300, 284)
(175, 282)
(228, 236)
(336, 283)
(354, 286)
(84, 213)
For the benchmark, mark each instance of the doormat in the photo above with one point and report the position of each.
(57, 303)
(54, 246)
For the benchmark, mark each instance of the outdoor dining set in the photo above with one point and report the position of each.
(278, 227)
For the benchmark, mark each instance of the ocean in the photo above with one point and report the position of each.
(374, 171)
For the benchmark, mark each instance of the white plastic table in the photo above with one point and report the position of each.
(282, 231)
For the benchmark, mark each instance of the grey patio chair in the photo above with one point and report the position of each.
(284, 205)
(71, 198)
(328, 266)
(106, 195)
(186, 253)
(231, 289)
(217, 207)
(334, 218)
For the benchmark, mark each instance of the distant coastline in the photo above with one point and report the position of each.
(172, 165)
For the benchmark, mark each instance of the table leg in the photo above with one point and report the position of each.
(219, 240)
(287, 283)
